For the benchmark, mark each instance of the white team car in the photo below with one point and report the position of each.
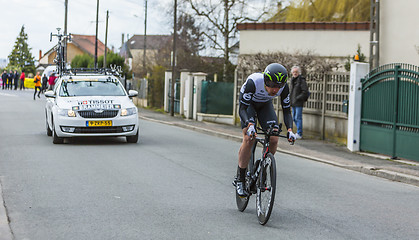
(91, 104)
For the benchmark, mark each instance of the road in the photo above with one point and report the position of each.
(176, 184)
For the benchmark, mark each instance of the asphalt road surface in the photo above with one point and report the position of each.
(176, 184)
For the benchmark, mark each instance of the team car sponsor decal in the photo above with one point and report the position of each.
(96, 104)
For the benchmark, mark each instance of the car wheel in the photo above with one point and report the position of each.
(55, 138)
(133, 139)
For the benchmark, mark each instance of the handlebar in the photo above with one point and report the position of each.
(271, 131)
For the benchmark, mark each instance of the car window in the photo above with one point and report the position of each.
(91, 87)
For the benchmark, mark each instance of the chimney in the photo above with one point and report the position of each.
(123, 35)
(40, 55)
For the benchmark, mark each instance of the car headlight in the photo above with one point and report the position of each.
(66, 112)
(128, 111)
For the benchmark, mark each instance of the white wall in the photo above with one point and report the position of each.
(328, 43)
(399, 31)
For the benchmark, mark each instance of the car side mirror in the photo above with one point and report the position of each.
(132, 93)
(49, 94)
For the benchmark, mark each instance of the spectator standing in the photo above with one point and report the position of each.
(10, 79)
(51, 81)
(16, 79)
(22, 80)
(37, 81)
(44, 83)
(4, 79)
(299, 94)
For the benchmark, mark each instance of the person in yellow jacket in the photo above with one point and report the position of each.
(37, 81)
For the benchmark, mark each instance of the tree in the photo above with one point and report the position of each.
(87, 61)
(156, 87)
(324, 11)
(83, 61)
(21, 57)
(221, 18)
(309, 62)
(361, 58)
(189, 43)
(114, 59)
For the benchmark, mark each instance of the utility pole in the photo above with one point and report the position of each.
(106, 39)
(172, 97)
(374, 34)
(97, 20)
(65, 30)
(145, 39)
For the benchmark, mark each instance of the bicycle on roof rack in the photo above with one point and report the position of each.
(261, 177)
(61, 64)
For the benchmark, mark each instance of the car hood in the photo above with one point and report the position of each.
(94, 102)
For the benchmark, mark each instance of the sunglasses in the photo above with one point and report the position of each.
(274, 84)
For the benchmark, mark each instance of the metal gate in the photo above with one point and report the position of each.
(177, 95)
(390, 111)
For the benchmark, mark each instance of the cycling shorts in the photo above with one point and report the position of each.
(264, 112)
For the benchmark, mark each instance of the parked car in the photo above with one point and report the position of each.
(90, 104)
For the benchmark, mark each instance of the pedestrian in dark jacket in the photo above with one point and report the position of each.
(16, 76)
(10, 77)
(44, 83)
(299, 94)
(4, 79)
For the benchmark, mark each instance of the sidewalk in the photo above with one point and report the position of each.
(373, 164)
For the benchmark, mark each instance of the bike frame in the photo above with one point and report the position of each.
(255, 171)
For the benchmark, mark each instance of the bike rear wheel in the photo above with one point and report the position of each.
(266, 186)
(243, 201)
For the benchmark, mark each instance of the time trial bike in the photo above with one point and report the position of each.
(261, 177)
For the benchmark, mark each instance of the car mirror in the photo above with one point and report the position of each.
(132, 93)
(49, 94)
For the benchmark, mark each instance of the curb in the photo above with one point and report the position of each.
(370, 170)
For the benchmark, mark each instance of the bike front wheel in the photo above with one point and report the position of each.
(266, 186)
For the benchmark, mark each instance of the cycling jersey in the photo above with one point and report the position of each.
(255, 101)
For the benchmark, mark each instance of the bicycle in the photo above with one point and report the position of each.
(261, 177)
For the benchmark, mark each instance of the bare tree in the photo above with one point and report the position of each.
(221, 18)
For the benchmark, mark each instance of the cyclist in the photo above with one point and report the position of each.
(256, 96)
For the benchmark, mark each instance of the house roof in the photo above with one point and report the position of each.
(363, 26)
(87, 44)
(152, 41)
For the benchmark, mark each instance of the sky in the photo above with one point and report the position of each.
(41, 17)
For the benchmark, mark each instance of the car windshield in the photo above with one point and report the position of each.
(91, 87)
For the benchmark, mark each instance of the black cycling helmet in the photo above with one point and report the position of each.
(275, 75)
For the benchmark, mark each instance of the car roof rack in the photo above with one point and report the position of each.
(115, 71)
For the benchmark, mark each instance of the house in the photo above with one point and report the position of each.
(80, 44)
(396, 38)
(133, 51)
(335, 40)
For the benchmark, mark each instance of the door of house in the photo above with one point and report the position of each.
(390, 111)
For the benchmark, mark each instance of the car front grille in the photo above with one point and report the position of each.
(98, 130)
(93, 114)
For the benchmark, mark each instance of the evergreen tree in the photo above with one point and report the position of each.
(21, 57)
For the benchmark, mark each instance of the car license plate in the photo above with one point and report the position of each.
(98, 123)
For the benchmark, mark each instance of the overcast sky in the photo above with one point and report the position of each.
(41, 17)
